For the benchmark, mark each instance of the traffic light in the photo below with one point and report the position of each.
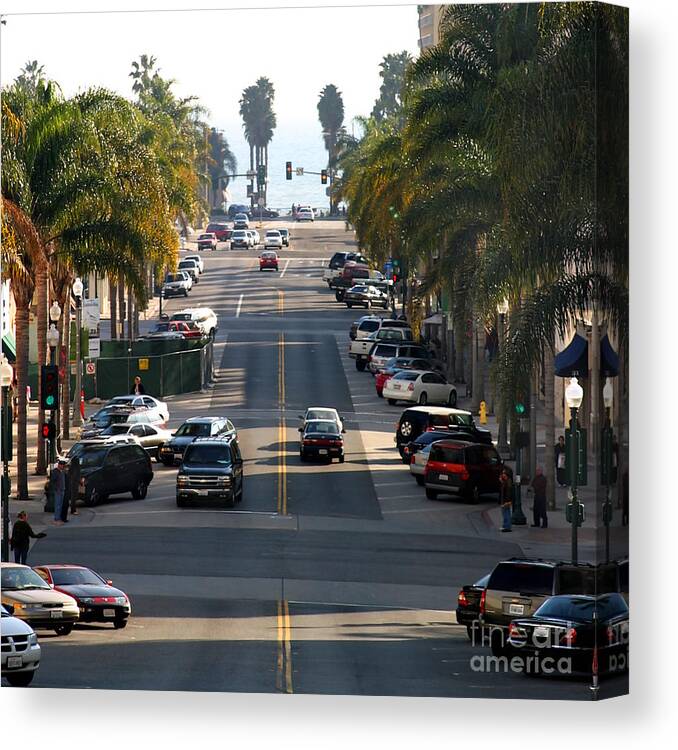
(49, 387)
(250, 190)
(323, 176)
(261, 174)
(288, 170)
(520, 409)
(48, 430)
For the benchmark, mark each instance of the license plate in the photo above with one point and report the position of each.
(443, 477)
(14, 662)
(322, 452)
(55, 614)
(516, 609)
(109, 613)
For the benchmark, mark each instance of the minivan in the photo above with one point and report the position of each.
(113, 470)
(418, 419)
(467, 469)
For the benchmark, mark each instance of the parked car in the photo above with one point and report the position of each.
(164, 332)
(518, 587)
(337, 262)
(305, 214)
(35, 602)
(368, 324)
(221, 230)
(285, 236)
(256, 240)
(211, 469)
(268, 260)
(20, 649)
(465, 469)
(263, 212)
(154, 405)
(207, 241)
(567, 632)
(113, 470)
(380, 353)
(321, 438)
(241, 221)
(367, 295)
(116, 415)
(322, 413)
(177, 284)
(398, 364)
(204, 317)
(237, 208)
(149, 436)
(424, 441)
(418, 419)
(241, 238)
(468, 606)
(198, 260)
(191, 268)
(97, 600)
(192, 428)
(273, 239)
(420, 387)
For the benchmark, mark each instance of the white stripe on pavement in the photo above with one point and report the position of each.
(237, 310)
(285, 269)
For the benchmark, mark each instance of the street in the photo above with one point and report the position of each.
(331, 579)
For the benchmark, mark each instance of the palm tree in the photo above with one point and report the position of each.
(390, 102)
(222, 165)
(331, 115)
(259, 121)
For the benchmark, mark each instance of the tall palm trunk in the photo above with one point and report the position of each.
(121, 308)
(41, 282)
(459, 340)
(549, 424)
(113, 295)
(22, 302)
(130, 314)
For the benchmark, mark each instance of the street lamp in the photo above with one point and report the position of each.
(77, 293)
(607, 456)
(502, 437)
(53, 342)
(54, 316)
(574, 395)
(6, 379)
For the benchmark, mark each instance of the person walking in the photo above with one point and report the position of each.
(506, 498)
(137, 387)
(560, 461)
(74, 484)
(538, 487)
(58, 489)
(20, 541)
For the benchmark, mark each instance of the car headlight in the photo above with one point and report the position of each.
(32, 639)
(121, 600)
(26, 607)
(85, 599)
(225, 480)
(182, 480)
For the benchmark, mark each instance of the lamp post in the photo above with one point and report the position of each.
(6, 378)
(574, 394)
(55, 316)
(607, 455)
(53, 342)
(502, 437)
(77, 293)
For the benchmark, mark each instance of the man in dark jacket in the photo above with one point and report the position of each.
(22, 533)
(137, 387)
(538, 486)
(57, 482)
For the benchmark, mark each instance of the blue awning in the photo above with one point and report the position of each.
(573, 361)
(609, 359)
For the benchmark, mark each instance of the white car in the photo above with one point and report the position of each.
(324, 413)
(199, 261)
(20, 650)
(149, 436)
(273, 239)
(204, 317)
(305, 214)
(241, 221)
(179, 283)
(191, 268)
(418, 463)
(420, 387)
(153, 405)
(254, 235)
(241, 238)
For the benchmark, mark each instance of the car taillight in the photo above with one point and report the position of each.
(410, 387)
(482, 601)
(513, 630)
(462, 600)
(413, 458)
(570, 637)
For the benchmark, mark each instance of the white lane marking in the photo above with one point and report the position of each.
(285, 269)
(237, 310)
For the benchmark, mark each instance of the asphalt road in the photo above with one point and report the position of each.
(336, 579)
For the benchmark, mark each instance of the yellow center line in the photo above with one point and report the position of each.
(288, 648)
(283, 681)
(281, 642)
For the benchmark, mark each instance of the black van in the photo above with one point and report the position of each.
(112, 470)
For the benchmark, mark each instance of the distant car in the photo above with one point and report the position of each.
(35, 602)
(163, 331)
(149, 436)
(368, 324)
(97, 600)
(396, 365)
(211, 469)
(367, 295)
(421, 387)
(241, 221)
(204, 317)
(321, 438)
(221, 230)
(285, 235)
(192, 428)
(254, 235)
(273, 239)
(144, 400)
(191, 268)
(117, 415)
(198, 260)
(207, 241)
(268, 260)
(418, 463)
(468, 470)
(241, 238)
(424, 440)
(265, 213)
(567, 632)
(305, 214)
(177, 284)
(468, 605)
(237, 208)
(175, 329)
(20, 649)
(322, 413)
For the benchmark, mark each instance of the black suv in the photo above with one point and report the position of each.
(195, 427)
(517, 587)
(111, 470)
(211, 469)
(418, 419)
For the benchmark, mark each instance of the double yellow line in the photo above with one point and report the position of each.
(284, 671)
(282, 431)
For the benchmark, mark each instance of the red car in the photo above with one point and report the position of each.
(222, 231)
(268, 260)
(97, 599)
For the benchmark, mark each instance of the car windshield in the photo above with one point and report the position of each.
(426, 438)
(579, 608)
(239, 233)
(116, 429)
(161, 327)
(385, 350)
(465, 420)
(369, 325)
(214, 455)
(406, 375)
(273, 233)
(205, 237)
(283, 231)
(74, 577)
(447, 455)
(90, 459)
(18, 579)
(360, 289)
(524, 578)
(122, 400)
(321, 427)
(172, 277)
(194, 429)
(312, 414)
(187, 264)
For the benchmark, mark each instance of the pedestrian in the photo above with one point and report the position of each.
(538, 487)
(137, 387)
(560, 461)
(506, 498)
(57, 482)
(74, 484)
(22, 533)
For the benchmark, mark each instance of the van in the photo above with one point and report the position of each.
(458, 467)
(418, 419)
(203, 317)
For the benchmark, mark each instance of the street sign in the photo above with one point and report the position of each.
(143, 363)
(94, 347)
(90, 368)
(300, 171)
(251, 174)
(261, 202)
